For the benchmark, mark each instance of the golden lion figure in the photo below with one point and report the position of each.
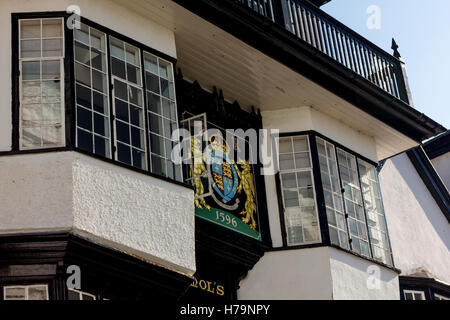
(199, 171)
(249, 189)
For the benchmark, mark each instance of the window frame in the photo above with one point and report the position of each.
(359, 189)
(81, 294)
(320, 198)
(69, 88)
(26, 287)
(65, 70)
(93, 91)
(281, 199)
(413, 293)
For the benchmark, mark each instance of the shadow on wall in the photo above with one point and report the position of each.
(417, 187)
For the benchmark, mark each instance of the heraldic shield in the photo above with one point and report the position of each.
(224, 188)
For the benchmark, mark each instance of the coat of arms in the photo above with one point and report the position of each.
(224, 188)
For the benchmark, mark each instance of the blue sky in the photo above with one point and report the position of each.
(422, 31)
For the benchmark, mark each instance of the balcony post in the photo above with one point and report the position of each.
(281, 14)
(402, 77)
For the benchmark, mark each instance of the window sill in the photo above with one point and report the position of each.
(393, 268)
(320, 245)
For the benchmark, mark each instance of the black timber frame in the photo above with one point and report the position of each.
(217, 246)
(43, 258)
(431, 179)
(438, 146)
(429, 286)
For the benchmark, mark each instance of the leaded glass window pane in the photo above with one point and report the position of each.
(162, 115)
(128, 104)
(41, 83)
(92, 91)
(375, 212)
(332, 193)
(353, 203)
(298, 192)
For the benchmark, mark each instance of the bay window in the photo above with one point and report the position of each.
(94, 90)
(126, 106)
(349, 203)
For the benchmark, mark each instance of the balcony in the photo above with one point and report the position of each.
(327, 35)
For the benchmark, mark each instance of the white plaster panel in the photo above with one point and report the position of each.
(35, 192)
(134, 210)
(442, 166)
(307, 118)
(347, 136)
(289, 275)
(103, 12)
(143, 216)
(316, 274)
(419, 231)
(352, 280)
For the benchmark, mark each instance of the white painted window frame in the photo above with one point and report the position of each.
(81, 293)
(345, 231)
(358, 188)
(62, 85)
(413, 293)
(310, 170)
(129, 124)
(92, 89)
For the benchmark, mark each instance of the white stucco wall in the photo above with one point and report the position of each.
(289, 275)
(305, 119)
(442, 166)
(317, 274)
(137, 214)
(359, 279)
(103, 12)
(419, 232)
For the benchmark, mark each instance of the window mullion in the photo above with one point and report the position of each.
(319, 192)
(146, 113)
(112, 142)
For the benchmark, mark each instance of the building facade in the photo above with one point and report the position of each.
(281, 116)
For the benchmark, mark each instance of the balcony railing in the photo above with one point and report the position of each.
(337, 41)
